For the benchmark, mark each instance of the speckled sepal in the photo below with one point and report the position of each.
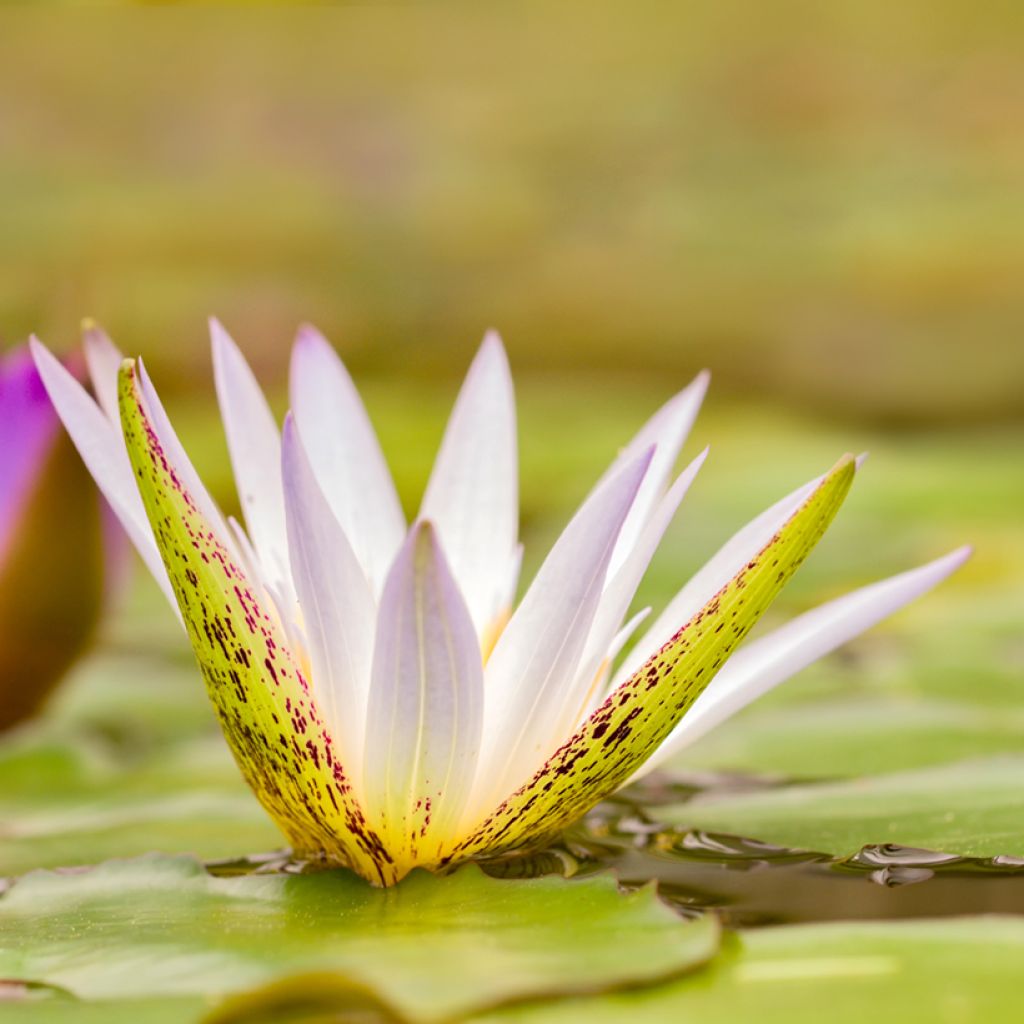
(264, 703)
(628, 727)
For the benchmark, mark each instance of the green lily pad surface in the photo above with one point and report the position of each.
(975, 809)
(951, 972)
(851, 737)
(432, 947)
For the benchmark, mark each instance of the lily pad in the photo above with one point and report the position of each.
(974, 808)
(948, 972)
(73, 799)
(844, 738)
(433, 947)
(210, 824)
(58, 1008)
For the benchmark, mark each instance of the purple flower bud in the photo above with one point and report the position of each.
(58, 545)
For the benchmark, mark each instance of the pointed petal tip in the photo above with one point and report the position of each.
(93, 335)
(637, 468)
(290, 437)
(307, 334)
(222, 344)
(423, 530)
(492, 353)
(701, 382)
(685, 479)
(955, 558)
(691, 397)
(220, 340)
(45, 361)
(492, 340)
(421, 546)
(846, 463)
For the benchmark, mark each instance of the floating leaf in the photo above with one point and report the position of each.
(845, 737)
(209, 823)
(433, 947)
(40, 1007)
(974, 809)
(942, 972)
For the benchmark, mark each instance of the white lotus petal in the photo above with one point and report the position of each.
(722, 566)
(103, 360)
(472, 496)
(426, 703)
(598, 682)
(335, 599)
(667, 430)
(345, 454)
(621, 589)
(254, 445)
(770, 660)
(539, 651)
(101, 446)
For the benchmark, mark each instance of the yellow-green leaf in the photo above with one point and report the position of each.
(263, 700)
(620, 735)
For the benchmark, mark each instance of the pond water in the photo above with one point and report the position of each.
(747, 883)
(750, 883)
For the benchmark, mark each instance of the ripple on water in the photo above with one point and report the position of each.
(746, 881)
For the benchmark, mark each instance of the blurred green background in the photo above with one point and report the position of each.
(822, 203)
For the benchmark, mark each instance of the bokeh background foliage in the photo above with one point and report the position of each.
(822, 202)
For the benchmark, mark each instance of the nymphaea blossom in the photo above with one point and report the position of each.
(56, 568)
(386, 699)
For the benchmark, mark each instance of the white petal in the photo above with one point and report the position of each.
(722, 566)
(537, 656)
(101, 445)
(770, 660)
(103, 360)
(255, 448)
(337, 606)
(667, 430)
(426, 704)
(472, 496)
(597, 689)
(622, 587)
(345, 454)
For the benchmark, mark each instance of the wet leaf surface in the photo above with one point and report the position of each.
(973, 808)
(432, 947)
(952, 972)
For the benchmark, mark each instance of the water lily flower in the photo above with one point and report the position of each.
(386, 699)
(53, 526)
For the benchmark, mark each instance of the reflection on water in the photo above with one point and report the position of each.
(751, 883)
(746, 882)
